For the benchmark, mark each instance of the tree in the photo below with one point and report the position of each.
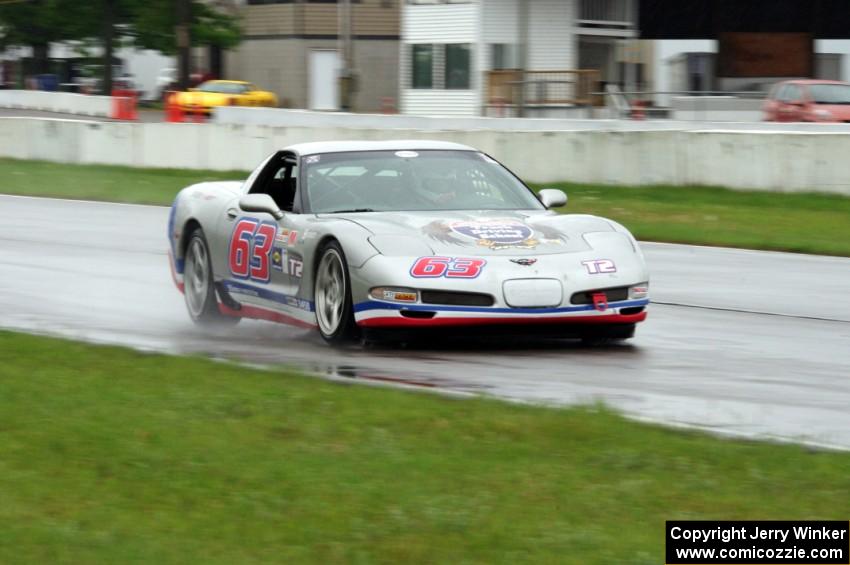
(159, 26)
(37, 23)
(149, 24)
(154, 22)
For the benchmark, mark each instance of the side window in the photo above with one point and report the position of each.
(248, 186)
(279, 180)
(292, 179)
(793, 93)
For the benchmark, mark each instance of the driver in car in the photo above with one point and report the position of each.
(440, 189)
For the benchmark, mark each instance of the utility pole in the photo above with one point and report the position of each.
(347, 79)
(108, 45)
(181, 30)
(522, 22)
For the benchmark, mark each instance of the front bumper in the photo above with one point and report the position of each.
(375, 314)
(566, 271)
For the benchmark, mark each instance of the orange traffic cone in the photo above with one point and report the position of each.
(132, 107)
(124, 105)
(173, 112)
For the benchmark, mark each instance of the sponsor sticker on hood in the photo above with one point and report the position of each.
(496, 234)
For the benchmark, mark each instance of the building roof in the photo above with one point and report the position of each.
(316, 147)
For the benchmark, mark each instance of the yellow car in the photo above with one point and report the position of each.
(214, 93)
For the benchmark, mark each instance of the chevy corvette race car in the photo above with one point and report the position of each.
(354, 237)
(213, 93)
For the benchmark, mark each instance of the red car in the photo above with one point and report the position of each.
(808, 101)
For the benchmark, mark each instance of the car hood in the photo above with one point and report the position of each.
(479, 233)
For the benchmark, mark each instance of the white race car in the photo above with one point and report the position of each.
(354, 238)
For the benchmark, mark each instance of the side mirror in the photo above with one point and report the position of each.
(552, 197)
(260, 203)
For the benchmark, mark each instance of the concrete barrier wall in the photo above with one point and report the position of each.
(760, 160)
(717, 109)
(64, 102)
(731, 114)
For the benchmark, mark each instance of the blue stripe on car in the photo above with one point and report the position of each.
(375, 305)
(266, 294)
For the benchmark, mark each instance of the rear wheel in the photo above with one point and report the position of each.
(198, 284)
(332, 293)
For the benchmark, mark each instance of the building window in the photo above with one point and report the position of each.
(423, 66)
(503, 56)
(457, 66)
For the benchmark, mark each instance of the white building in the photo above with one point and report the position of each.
(684, 65)
(462, 57)
(142, 65)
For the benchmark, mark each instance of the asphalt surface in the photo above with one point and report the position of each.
(738, 342)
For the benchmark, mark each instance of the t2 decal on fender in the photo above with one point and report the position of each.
(450, 267)
(250, 249)
(599, 266)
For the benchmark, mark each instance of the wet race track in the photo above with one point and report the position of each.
(738, 342)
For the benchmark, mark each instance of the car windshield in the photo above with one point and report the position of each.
(373, 181)
(830, 93)
(222, 87)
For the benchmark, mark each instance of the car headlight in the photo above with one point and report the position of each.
(822, 114)
(394, 294)
(639, 291)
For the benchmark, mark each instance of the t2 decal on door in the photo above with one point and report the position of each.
(250, 249)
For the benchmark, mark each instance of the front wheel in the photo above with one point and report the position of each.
(198, 284)
(332, 293)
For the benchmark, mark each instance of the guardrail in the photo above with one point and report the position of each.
(689, 105)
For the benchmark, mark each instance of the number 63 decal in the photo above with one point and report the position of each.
(451, 267)
(250, 247)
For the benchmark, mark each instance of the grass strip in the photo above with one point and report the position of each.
(799, 222)
(808, 223)
(114, 456)
(101, 182)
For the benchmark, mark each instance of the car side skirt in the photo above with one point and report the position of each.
(258, 313)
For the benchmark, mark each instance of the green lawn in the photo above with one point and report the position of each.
(100, 182)
(114, 456)
(811, 223)
(808, 223)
